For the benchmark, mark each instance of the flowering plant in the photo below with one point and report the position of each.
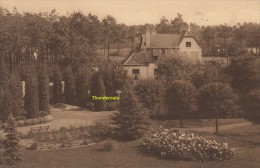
(174, 144)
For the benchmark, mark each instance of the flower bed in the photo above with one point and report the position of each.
(39, 120)
(174, 144)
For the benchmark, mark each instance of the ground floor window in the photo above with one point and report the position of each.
(135, 74)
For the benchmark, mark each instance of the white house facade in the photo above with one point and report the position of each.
(142, 64)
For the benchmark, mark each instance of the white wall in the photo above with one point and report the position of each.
(193, 52)
(145, 71)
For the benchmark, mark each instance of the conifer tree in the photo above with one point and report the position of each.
(31, 103)
(57, 85)
(43, 83)
(98, 90)
(12, 152)
(82, 86)
(69, 88)
(131, 121)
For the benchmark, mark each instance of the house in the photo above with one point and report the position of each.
(142, 64)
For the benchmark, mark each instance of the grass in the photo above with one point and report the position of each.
(126, 155)
(196, 122)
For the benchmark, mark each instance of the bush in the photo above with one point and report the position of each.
(99, 131)
(174, 144)
(111, 106)
(149, 93)
(33, 146)
(90, 106)
(252, 106)
(108, 146)
(69, 88)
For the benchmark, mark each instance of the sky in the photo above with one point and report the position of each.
(134, 12)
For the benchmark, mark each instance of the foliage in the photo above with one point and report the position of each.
(108, 146)
(98, 89)
(12, 151)
(217, 100)
(252, 106)
(43, 85)
(31, 102)
(173, 144)
(131, 122)
(112, 105)
(82, 85)
(181, 99)
(10, 93)
(90, 106)
(174, 68)
(208, 72)
(245, 73)
(69, 88)
(57, 85)
(149, 93)
(115, 77)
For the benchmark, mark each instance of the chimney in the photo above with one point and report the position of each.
(184, 27)
(147, 37)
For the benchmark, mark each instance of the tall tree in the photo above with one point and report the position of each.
(83, 79)
(98, 90)
(31, 103)
(181, 99)
(108, 24)
(131, 122)
(57, 85)
(43, 84)
(217, 100)
(69, 88)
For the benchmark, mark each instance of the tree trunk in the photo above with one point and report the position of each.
(108, 47)
(118, 48)
(216, 123)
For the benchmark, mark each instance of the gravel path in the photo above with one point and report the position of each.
(73, 116)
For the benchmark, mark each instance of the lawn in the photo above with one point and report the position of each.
(126, 154)
(197, 122)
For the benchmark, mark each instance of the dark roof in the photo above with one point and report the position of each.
(139, 59)
(136, 59)
(164, 41)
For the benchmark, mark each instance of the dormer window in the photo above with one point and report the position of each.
(188, 44)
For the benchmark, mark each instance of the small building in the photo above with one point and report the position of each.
(142, 64)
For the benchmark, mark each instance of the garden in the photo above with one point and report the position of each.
(190, 115)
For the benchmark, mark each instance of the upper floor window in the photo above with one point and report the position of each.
(188, 44)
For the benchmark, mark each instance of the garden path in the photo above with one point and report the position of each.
(73, 116)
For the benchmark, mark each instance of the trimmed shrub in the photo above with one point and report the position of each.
(69, 88)
(98, 89)
(57, 85)
(43, 85)
(83, 76)
(31, 100)
(174, 144)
